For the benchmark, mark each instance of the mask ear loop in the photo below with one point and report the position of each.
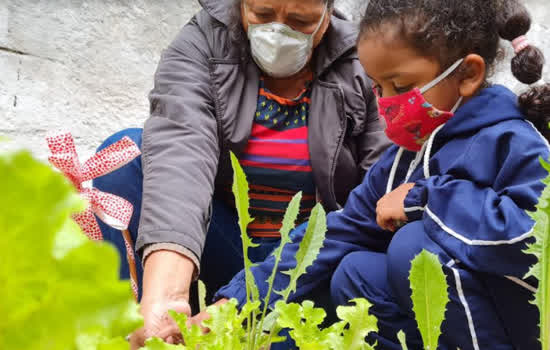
(320, 22)
(457, 104)
(246, 12)
(444, 75)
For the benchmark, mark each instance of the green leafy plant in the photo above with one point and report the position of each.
(304, 321)
(253, 327)
(59, 290)
(429, 296)
(541, 270)
(307, 253)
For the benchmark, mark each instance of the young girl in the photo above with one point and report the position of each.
(458, 182)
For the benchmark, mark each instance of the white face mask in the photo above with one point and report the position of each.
(279, 50)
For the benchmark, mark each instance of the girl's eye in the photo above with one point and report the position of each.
(402, 89)
(377, 90)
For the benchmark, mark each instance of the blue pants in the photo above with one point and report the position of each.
(382, 278)
(222, 256)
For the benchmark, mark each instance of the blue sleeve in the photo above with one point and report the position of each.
(351, 229)
(476, 211)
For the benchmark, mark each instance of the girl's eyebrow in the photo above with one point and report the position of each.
(386, 77)
(390, 76)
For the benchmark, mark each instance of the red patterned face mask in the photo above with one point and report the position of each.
(410, 119)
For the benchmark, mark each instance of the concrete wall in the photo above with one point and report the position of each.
(87, 65)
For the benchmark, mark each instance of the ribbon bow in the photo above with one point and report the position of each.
(113, 210)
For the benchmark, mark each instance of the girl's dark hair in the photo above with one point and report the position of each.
(449, 30)
(535, 103)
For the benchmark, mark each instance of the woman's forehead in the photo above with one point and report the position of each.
(302, 6)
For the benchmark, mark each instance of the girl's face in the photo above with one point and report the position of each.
(395, 68)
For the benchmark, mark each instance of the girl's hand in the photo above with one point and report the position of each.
(390, 209)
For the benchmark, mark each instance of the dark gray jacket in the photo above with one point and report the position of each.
(202, 106)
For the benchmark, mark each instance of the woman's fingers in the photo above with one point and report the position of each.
(137, 339)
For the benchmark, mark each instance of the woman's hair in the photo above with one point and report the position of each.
(449, 30)
(236, 30)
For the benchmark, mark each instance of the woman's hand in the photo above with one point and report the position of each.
(171, 332)
(390, 209)
(166, 280)
(158, 322)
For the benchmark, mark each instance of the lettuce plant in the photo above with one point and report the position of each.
(59, 291)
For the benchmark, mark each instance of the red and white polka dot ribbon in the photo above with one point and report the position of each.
(113, 210)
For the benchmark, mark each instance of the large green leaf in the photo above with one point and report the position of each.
(429, 296)
(240, 191)
(541, 270)
(59, 290)
(309, 249)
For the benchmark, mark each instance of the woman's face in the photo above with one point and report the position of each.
(300, 15)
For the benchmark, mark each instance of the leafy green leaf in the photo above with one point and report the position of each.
(402, 340)
(240, 191)
(304, 321)
(289, 222)
(226, 325)
(541, 270)
(309, 249)
(60, 288)
(429, 296)
(334, 335)
(202, 296)
(192, 336)
(360, 323)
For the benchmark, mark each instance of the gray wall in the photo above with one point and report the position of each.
(87, 65)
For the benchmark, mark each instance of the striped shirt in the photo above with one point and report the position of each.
(276, 161)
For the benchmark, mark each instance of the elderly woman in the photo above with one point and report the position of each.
(277, 82)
